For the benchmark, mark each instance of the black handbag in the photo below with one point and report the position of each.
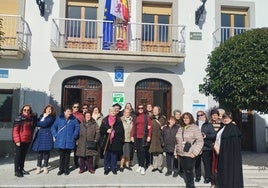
(187, 147)
(91, 145)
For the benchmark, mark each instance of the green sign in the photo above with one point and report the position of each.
(195, 35)
(119, 98)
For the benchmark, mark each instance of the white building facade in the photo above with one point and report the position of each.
(158, 58)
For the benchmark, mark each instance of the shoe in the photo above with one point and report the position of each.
(45, 170)
(121, 169)
(138, 169)
(60, 172)
(38, 170)
(81, 171)
(114, 172)
(18, 174)
(175, 174)
(154, 169)
(142, 171)
(160, 171)
(206, 181)
(24, 172)
(168, 173)
(129, 168)
(67, 172)
(91, 171)
(106, 172)
(197, 179)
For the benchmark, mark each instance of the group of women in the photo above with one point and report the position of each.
(184, 140)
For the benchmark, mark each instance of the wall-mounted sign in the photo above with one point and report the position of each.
(119, 75)
(3, 73)
(195, 35)
(119, 98)
(197, 107)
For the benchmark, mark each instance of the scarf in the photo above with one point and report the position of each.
(111, 121)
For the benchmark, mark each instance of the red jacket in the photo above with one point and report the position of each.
(23, 129)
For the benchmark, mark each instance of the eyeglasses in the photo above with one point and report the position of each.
(75, 106)
(26, 110)
(140, 108)
(199, 115)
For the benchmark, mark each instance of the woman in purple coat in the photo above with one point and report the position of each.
(43, 141)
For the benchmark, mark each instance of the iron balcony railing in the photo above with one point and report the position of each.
(224, 33)
(16, 32)
(107, 35)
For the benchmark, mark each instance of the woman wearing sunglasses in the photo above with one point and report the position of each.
(22, 134)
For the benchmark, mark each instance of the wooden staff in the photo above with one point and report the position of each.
(106, 143)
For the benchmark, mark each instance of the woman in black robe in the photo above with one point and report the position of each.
(228, 145)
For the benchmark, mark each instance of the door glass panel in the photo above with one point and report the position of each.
(74, 26)
(148, 29)
(163, 29)
(90, 26)
(239, 21)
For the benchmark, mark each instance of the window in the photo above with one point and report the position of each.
(6, 100)
(156, 19)
(82, 16)
(233, 22)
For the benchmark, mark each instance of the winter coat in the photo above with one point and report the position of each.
(43, 140)
(23, 128)
(89, 131)
(156, 141)
(127, 127)
(208, 129)
(191, 134)
(169, 138)
(65, 131)
(119, 134)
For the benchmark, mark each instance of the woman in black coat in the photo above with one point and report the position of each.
(209, 136)
(112, 130)
(228, 146)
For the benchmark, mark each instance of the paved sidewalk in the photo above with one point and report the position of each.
(252, 163)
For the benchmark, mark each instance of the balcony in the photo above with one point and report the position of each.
(224, 33)
(17, 37)
(104, 41)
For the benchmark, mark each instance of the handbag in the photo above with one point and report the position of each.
(91, 145)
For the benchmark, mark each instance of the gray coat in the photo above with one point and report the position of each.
(89, 131)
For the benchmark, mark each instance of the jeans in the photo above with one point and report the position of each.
(43, 155)
(20, 155)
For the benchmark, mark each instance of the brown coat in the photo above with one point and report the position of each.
(89, 131)
(156, 140)
(191, 134)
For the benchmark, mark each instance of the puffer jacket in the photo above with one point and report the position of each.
(191, 134)
(43, 140)
(65, 132)
(23, 128)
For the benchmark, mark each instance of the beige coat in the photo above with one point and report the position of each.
(191, 134)
(128, 124)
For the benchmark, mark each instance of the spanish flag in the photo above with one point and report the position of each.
(119, 8)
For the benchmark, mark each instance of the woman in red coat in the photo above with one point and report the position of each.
(22, 136)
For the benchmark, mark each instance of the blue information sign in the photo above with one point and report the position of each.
(3, 73)
(119, 75)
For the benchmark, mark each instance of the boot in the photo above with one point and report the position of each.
(45, 170)
(38, 170)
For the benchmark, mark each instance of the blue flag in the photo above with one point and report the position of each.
(107, 27)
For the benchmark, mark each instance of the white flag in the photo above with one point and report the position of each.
(117, 9)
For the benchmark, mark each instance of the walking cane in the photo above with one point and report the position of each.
(108, 139)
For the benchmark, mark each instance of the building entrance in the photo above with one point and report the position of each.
(82, 89)
(156, 92)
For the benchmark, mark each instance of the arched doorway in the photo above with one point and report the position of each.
(82, 89)
(156, 92)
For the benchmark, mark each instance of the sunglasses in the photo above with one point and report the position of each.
(199, 115)
(26, 110)
(140, 108)
(75, 106)
(84, 107)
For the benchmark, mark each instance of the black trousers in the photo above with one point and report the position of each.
(20, 155)
(188, 167)
(143, 154)
(172, 163)
(207, 161)
(43, 155)
(64, 159)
